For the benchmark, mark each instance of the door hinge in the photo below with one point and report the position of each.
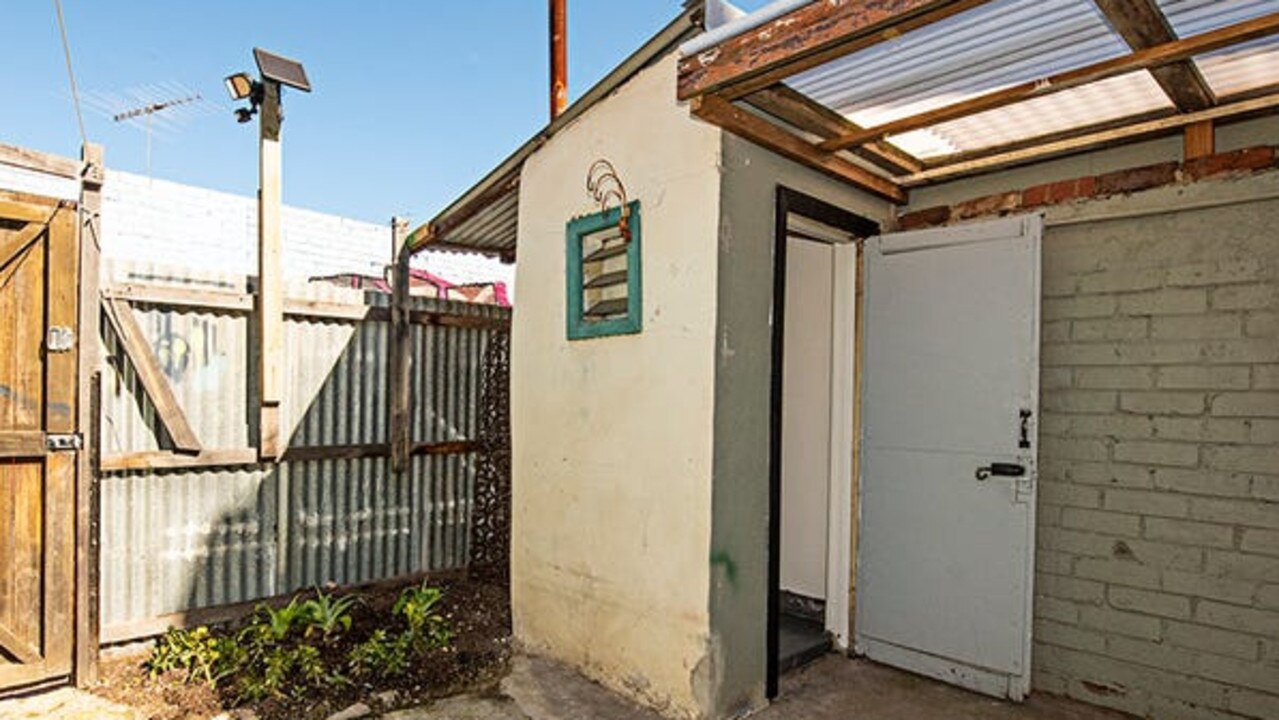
(63, 441)
(60, 339)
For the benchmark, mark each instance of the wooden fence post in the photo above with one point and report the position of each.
(89, 311)
(270, 293)
(401, 355)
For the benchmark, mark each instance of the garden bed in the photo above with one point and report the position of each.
(475, 617)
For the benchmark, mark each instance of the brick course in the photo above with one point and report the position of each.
(1238, 162)
(1157, 585)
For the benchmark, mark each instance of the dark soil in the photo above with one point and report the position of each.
(476, 659)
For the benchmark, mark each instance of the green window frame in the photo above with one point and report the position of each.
(604, 280)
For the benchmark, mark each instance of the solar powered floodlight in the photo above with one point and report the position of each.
(239, 85)
(281, 69)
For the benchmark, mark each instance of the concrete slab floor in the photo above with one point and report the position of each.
(839, 687)
(64, 704)
(536, 689)
(831, 688)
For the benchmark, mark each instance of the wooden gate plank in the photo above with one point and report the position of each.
(60, 367)
(11, 246)
(8, 541)
(59, 598)
(23, 444)
(17, 210)
(21, 339)
(151, 375)
(20, 649)
(22, 493)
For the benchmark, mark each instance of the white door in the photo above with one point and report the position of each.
(950, 391)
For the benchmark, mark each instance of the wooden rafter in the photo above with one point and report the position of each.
(1260, 27)
(1200, 140)
(1143, 25)
(804, 38)
(802, 112)
(1090, 140)
(755, 128)
(151, 375)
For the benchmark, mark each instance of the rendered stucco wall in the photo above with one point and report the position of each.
(743, 372)
(612, 436)
(1157, 584)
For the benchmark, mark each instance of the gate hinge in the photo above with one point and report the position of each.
(63, 441)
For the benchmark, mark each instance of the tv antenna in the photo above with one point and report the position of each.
(163, 107)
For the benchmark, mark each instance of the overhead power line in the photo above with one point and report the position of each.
(66, 52)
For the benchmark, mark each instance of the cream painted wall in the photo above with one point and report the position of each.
(613, 437)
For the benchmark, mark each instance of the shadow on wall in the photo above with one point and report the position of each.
(182, 540)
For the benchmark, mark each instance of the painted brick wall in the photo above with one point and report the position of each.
(167, 223)
(1158, 550)
(152, 221)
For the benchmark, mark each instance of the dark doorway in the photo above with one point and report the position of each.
(795, 633)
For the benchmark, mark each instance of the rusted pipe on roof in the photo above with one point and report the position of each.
(559, 57)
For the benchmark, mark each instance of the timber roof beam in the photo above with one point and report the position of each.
(1153, 57)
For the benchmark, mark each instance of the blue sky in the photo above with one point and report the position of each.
(413, 100)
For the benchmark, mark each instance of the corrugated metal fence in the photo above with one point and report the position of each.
(193, 537)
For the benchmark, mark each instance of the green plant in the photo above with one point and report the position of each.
(381, 655)
(427, 628)
(271, 656)
(277, 623)
(197, 652)
(328, 614)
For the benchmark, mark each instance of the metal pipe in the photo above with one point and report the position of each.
(559, 57)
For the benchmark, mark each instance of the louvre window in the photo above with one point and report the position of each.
(604, 274)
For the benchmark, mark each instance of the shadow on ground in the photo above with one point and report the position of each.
(538, 689)
(831, 688)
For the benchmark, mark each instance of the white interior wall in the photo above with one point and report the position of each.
(806, 416)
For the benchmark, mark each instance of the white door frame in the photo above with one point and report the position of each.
(840, 406)
(843, 381)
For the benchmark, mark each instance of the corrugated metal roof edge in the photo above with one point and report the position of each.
(686, 25)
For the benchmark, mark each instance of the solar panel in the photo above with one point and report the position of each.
(281, 69)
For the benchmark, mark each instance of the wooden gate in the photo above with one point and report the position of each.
(39, 344)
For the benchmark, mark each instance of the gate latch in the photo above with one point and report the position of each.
(61, 339)
(63, 441)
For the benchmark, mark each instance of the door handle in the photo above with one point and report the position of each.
(1001, 469)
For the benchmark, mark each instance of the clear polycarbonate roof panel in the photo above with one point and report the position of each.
(1111, 99)
(1234, 69)
(993, 46)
